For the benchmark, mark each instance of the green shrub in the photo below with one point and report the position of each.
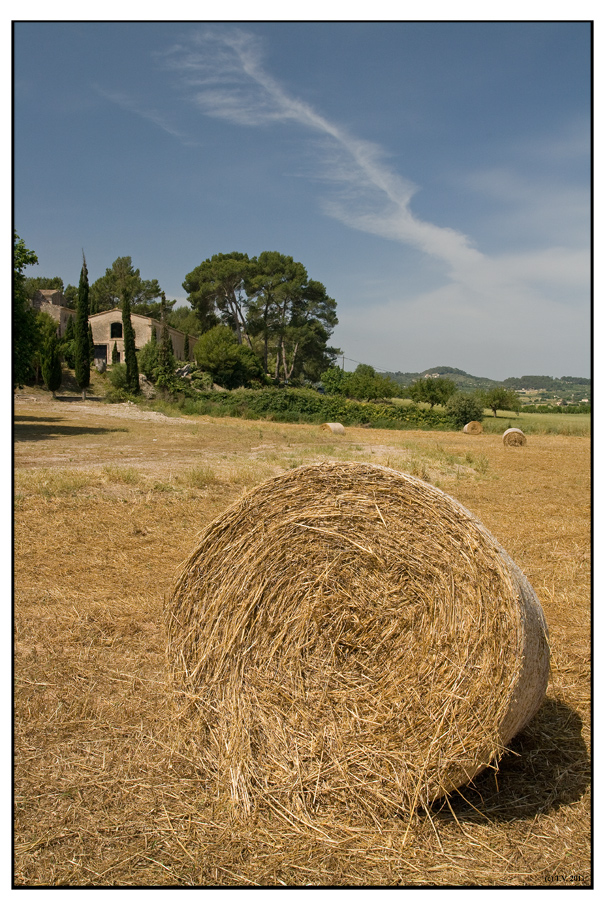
(289, 405)
(462, 409)
(117, 376)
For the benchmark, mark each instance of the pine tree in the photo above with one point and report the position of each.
(82, 358)
(51, 364)
(130, 354)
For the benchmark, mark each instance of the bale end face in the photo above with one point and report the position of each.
(350, 638)
(514, 437)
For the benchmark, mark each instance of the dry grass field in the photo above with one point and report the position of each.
(109, 502)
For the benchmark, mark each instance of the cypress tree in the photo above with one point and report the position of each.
(82, 355)
(130, 354)
(68, 343)
(186, 347)
(51, 364)
(166, 357)
(115, 354)
(91, 345)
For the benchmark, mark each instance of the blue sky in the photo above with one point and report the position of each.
(435, 177)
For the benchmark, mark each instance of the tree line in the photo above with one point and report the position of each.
(255, 317)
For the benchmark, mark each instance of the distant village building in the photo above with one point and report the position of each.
(108, 330)
(53, 303)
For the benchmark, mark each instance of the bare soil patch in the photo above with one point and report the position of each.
(109, 501)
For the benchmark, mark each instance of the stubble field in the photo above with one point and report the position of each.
(109, 502)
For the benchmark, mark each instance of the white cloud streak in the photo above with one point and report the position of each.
(127, 102)
(223, 74)
(226, 78)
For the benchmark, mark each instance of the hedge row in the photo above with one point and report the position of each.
(293, 405)
(556, 408)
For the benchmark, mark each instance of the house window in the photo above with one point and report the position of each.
(116, 330)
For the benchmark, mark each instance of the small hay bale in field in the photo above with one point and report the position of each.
(474, 428)
(336, 428)
(514, 437)
(350, 638)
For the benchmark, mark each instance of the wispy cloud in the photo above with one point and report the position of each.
(132, 104)
(226, 78)
(222, 71)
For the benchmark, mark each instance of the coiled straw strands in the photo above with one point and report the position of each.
(349, 638)
(336, 428)
(514, 437)
(474, 428)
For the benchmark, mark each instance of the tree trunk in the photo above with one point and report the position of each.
(288, 372)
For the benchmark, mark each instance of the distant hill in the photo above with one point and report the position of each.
(462, 379)
(569, 387)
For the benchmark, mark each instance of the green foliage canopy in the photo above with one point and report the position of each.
(364, 384)
(463, 408)
(107, 292)
(431, 391)
(51, 363)
(230, 364)
(500, 399)
(25, 337)
(271, 306)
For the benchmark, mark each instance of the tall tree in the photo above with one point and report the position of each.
(51, 363)
(68, 343)
(272, 281)
(82, 351)
(271, 305)
(24, 320)
(106, 292)
(71, 296)
(217, 288)
(130, 354)
(166, 357)
(91, 345)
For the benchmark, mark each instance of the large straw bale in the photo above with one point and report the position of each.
(474, 428)
(514, 436)
(350, 638)
(336, 428)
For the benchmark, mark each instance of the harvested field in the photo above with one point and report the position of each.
(108, 504)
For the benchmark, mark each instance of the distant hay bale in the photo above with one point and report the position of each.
(337, 428)
(350, 638)
(473, 428)
(514, 437)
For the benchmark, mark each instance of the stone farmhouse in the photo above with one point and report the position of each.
(107, 328)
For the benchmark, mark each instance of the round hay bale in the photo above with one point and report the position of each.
(350, 638)
(337, 428)
(474, 428)
(514, 437)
